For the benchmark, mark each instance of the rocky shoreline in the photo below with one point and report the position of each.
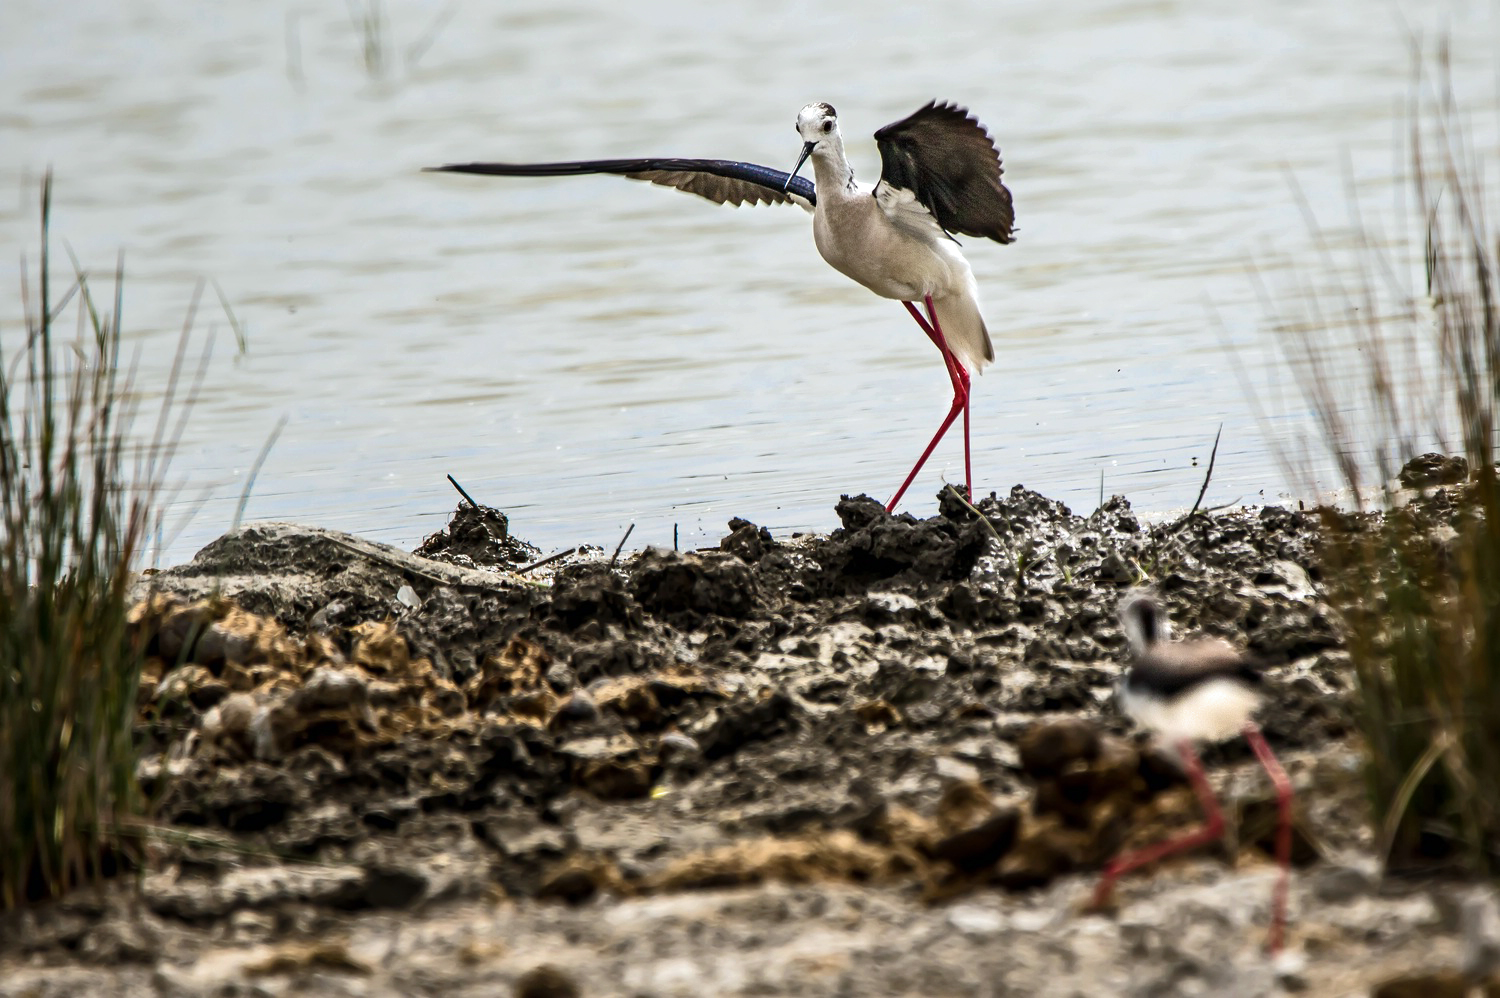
(879, 762)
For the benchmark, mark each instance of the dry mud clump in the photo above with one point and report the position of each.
(914, 711)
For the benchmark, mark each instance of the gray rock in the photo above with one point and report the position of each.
(1479, 928)
(1342, 882)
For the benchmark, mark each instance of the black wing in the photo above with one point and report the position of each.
(947, 159)
(1175, 667)
(720, 180)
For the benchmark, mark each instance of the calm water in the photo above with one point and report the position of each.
(587, 353)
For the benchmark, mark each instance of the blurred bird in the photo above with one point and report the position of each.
(1201, 690)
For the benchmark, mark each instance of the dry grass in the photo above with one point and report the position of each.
(1419, 583)
(78, 502)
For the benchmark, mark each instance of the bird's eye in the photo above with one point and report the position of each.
(827, 127)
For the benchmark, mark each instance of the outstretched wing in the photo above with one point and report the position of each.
(944, 157)
(719, 180)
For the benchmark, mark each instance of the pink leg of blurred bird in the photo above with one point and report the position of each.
(1212, 830)
(1283, 832)
(960, 379)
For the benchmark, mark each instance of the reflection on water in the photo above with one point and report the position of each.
(586, 353)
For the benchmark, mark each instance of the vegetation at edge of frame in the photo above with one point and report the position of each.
(1420, 585)
(78, 503)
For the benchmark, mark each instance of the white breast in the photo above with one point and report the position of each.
(1212, 711)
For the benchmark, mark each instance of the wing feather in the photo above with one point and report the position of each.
(719, 180)
(944, 156)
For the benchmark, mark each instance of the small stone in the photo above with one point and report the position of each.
(1033, 920)
(329, 687)
(1048, 747)
(973, 849)
(322, 621)
(976, 920)
(1290, 967)
(1434, 469)
(877, 715)
(578, 880)
(889, 608)
(407, 596)
(615, 779)
(746, 540)
(393, 888)
(578, 707)
(1479, 923)
(676, 745)
(951, 770)
(1341, 883)
(546, 981)
(560, 677)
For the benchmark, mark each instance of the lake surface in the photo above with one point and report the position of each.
(587, 353)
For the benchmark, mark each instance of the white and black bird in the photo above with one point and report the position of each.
(940, 175)
(1187, 692)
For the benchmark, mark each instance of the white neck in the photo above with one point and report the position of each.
(831, 167)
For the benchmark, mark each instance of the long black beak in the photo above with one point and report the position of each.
(807, 148)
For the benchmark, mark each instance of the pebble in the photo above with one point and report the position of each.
(976, 920)
(1290, 967)
(546, 981)
(1336, 884)
(951, 770)
(1479, 926)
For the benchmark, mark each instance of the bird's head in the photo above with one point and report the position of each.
(1144, 622)
(818, 124)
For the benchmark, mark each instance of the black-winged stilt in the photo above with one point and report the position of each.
(1201, 690)
(940, 174)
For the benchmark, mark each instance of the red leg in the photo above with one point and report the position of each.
(955, 368)
(1283, 832)
(937, 338)
(960, 379)
(1213, 829)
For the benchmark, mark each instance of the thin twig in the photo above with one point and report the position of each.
(614, 557)
(545, 561)
(1207, 474)
(982, 518)
(461, 492)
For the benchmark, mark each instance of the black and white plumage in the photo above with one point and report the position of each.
(949, 162)
(1188, 692)
(721, 181)
(940, 175)
(1199, 690)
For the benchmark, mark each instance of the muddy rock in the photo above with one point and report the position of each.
(1434, 469)
(1047, 749)
(671, 585)
(814, 749)
(874, 546)
(478, 537)
(982, 845)
(747, 541)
